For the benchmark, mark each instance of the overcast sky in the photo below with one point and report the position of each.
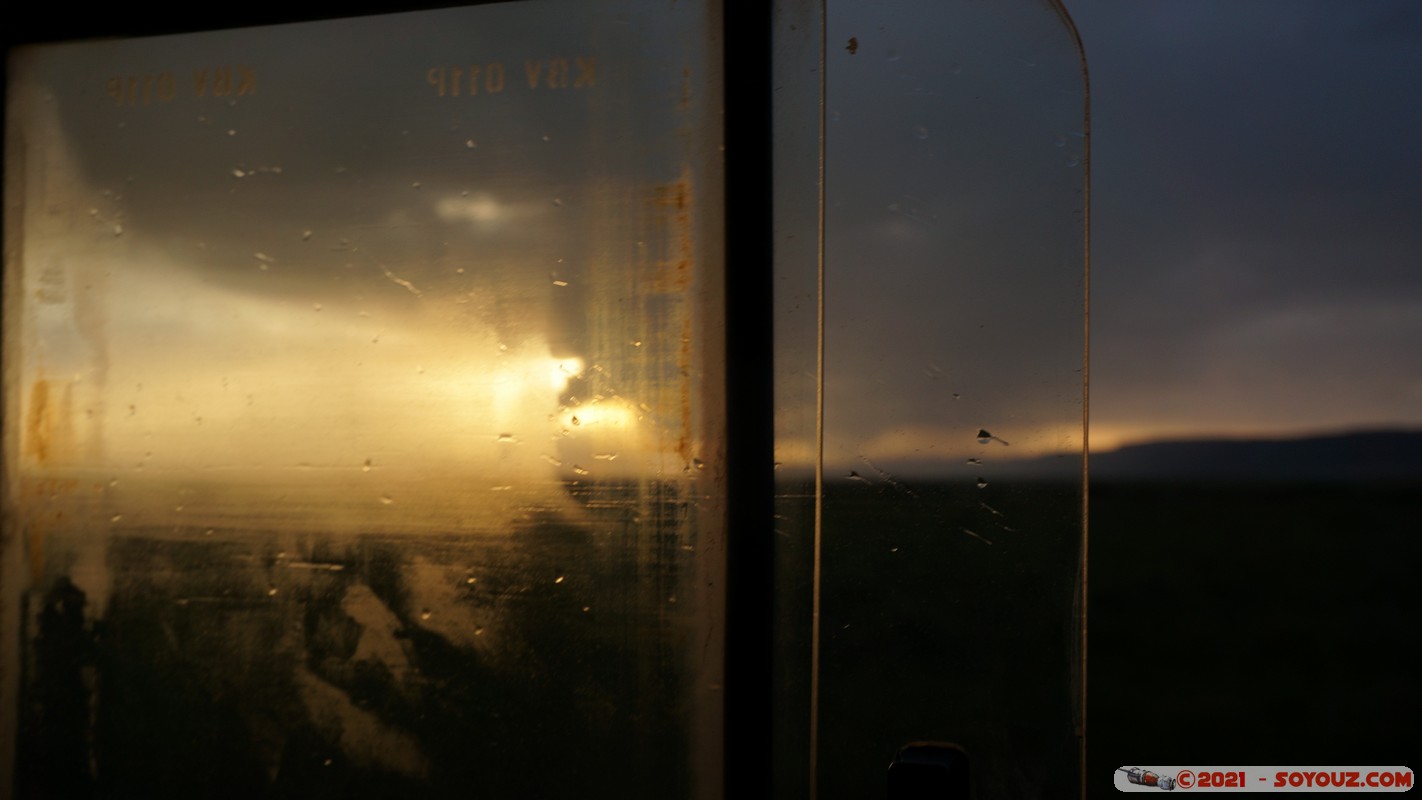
(1256, 187)
(1257, 252)
(1257, 191)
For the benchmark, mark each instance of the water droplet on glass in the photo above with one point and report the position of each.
(577, 470)
(605, 456)
(506, 438)
(920, 131)
(893, 55)
(231, 131)
(698, 463)
(586, 609)
(386, 500)
(984, 437)
(469, 143)
(315, 306)
(575, 421)
(557, 202)
(415, 185)
(271, 591)
(982, 483)
(237, 173)
(208, 532)
(1073, 160)
(471, 581)
(855, 476)
(558, 579)
(974, 461)
(118, 229)
(425, 614)
(547, 138)
(560, 283)
(306, 236)
(893, 549)
(366, 466)
(116, 518)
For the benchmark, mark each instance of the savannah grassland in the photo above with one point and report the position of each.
(1230, 624)
(1254, 624)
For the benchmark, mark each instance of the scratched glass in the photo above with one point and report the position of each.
(360, 402)
(929, 578)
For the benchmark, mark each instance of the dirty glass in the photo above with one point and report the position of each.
(362, 414)
(930, 225)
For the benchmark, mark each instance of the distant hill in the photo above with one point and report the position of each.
(1361, 456)
(1376, 455)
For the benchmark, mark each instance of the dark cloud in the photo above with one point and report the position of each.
(1257, 189)
(953, 243)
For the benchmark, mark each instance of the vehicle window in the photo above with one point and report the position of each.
(362, 408)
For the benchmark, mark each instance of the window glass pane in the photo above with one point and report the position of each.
(950, 507)
(362, 408)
